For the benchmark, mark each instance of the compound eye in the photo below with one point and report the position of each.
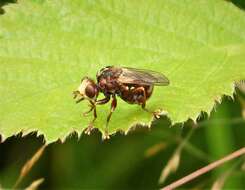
(90, 91)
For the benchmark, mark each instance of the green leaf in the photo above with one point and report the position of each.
(46, 47)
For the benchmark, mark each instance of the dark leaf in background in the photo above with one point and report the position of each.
(5, 2)
(239, 3)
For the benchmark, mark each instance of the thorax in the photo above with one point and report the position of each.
(107, 82)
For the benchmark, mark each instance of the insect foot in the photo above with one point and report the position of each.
(89, 129)
(106, 135)
(157, 114)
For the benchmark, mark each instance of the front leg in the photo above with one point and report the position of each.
(113, 107)
(75, 95)
(103, 101)
(91, 124)
(93, 107)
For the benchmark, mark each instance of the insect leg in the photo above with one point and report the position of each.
(98, 102)
(91, 124)
(75, 95)
(103, 101)
(113, 107)
(140, 91)
(92, 106)
(79, 100)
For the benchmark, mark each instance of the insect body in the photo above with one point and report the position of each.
(132, 85)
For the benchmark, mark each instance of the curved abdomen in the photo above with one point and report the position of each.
(135, 94)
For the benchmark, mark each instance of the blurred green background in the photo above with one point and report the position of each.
(134, 161)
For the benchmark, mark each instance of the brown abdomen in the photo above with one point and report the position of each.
(135, 94)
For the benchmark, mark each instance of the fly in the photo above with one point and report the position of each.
(134, 86)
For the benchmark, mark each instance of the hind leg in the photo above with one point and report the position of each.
(156, 114)
(140, 98)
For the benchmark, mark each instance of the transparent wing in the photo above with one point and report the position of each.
(142, 77)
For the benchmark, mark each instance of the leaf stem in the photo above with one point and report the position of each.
(205, 169)
(28, 165)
